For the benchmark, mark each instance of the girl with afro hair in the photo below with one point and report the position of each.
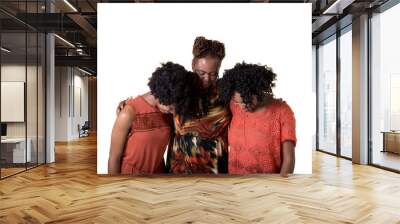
(262, 133)
(144, 127)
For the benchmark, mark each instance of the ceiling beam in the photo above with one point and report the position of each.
(84, 61)
(84, 24)
(337, 6)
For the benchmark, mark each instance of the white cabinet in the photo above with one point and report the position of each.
(17, 145)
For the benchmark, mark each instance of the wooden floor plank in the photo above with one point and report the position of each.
(70, 191)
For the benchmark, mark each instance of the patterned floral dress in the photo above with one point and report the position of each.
(200, 145)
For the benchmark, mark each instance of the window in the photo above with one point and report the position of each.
(346, 93)
(385, 88)
(327, 96)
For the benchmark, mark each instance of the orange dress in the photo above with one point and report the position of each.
(255, 138)
(147, 141)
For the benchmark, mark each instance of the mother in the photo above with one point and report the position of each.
(200, 144)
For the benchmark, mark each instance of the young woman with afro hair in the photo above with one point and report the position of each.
(262, 133)
(144, 127)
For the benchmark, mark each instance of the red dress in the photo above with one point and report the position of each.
(255, 138)
(148, 138)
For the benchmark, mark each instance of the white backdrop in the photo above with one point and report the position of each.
(133, 39)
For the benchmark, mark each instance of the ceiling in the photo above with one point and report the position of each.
(76, 22)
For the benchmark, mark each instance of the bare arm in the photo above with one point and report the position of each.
(288, 158)
(119, 134)
(121, 105)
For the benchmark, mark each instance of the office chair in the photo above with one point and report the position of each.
(84, 130)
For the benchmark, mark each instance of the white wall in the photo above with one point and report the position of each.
(255, 33)
(69, 81)
(16, 73)
(80, 83)
(61, 103)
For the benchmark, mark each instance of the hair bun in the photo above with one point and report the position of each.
(203, 47)
(201, 44)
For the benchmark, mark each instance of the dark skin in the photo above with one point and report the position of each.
(288, 154)
(206, 68)
(121, 130)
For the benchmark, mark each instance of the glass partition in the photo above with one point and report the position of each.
(22, 77)
(14, 154)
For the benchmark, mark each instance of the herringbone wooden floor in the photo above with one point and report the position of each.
(69, 191)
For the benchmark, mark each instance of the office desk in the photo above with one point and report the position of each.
(13, 150)
(391, 141)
